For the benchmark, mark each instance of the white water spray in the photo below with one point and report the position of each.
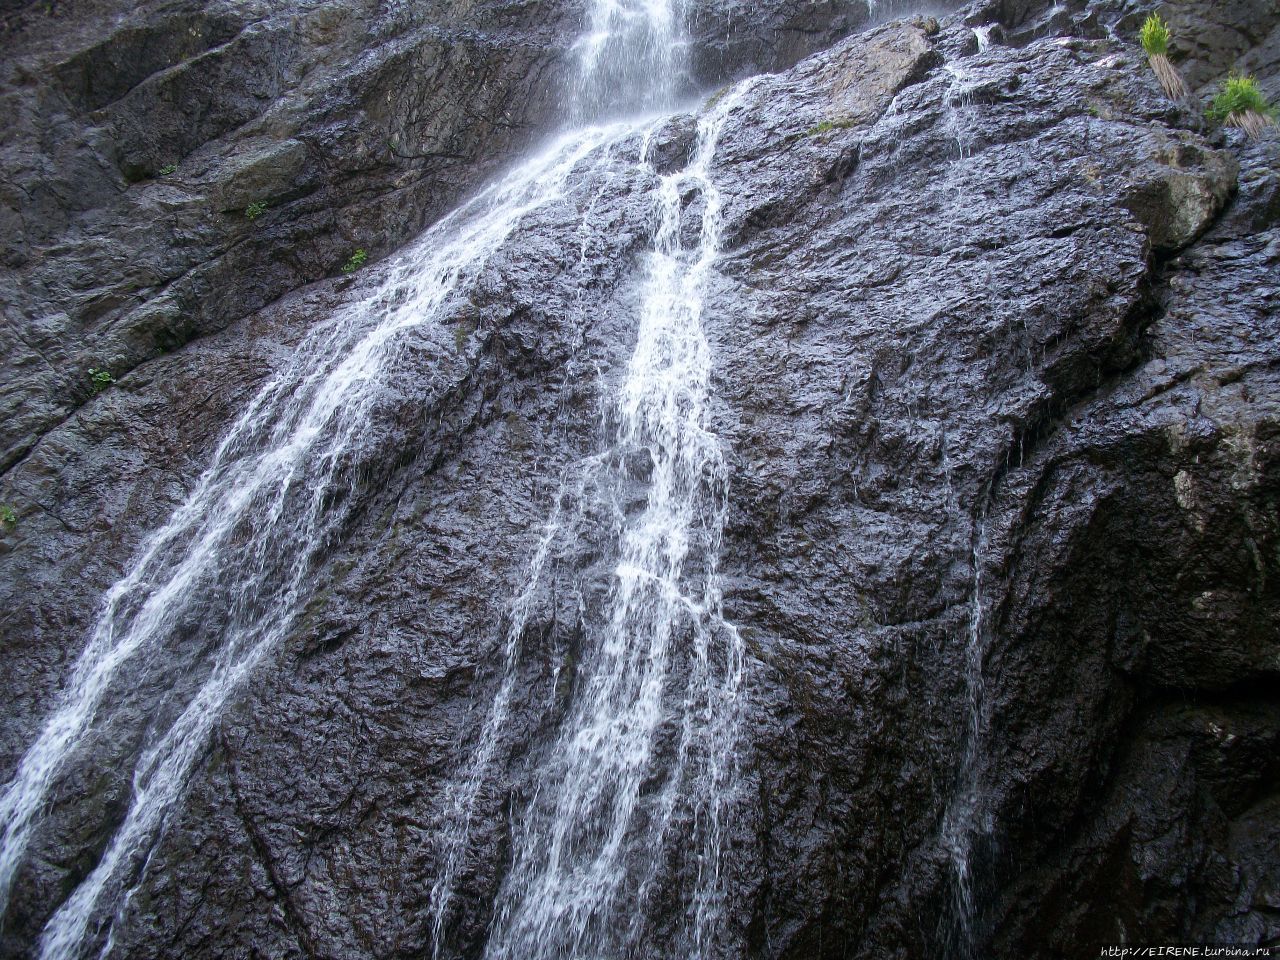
(632, 59)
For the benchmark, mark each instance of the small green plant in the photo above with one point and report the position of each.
(167, 169)
(1239, 102)
(1154, 37)
(100, 379)
(826, 126)
(254, 210)
(462, 333)
(356, 261)
(8, 519)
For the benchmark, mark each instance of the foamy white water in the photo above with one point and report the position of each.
(583, 851)
(239, 547)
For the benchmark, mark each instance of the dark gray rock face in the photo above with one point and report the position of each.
(997, 347)
(984, 389)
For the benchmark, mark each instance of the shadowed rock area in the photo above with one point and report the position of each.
(995, 337)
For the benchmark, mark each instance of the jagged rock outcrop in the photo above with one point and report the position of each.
(996, 362)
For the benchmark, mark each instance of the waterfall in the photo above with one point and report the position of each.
(631, 59)
(216, 588)
(230, 565)
(963, 819)
(590, 844)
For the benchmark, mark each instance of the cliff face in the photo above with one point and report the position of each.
(995, 345)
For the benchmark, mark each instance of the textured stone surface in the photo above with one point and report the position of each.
(991, 330)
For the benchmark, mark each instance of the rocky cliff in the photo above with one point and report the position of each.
(995, 344)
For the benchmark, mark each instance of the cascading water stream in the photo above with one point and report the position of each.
(231, 562)
(958, 99)
(218, 586)
(964, 814)
(590, 842)
(962, 819)
(582, 848)
(631, 59)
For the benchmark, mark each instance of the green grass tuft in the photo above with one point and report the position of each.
(826, 126)
(717, 96)
(254, 210)
(167, 169)
(356, 262)
(1238, 95)
(1155, 36)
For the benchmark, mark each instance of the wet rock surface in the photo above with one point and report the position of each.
(140, 139)
(996, 359)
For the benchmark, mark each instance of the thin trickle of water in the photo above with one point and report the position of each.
(963, 818)
(231, 562)
(957, 100)
(455, 834)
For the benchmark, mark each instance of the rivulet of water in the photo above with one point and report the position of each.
(957, 100)
(230, 564)
(964, 817)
